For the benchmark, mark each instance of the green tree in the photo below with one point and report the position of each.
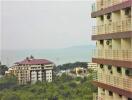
(3, 68)
(63, 88)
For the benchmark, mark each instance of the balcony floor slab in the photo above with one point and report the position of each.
(122, 63)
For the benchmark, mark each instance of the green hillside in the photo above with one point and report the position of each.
(63, 88)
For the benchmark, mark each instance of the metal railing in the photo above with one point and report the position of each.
(116, 81)
(113, 54)
(102, 4)
(113, 27)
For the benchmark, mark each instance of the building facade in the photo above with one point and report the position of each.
(92, 66)
(31, 70)
(78, 72)
(113, 54)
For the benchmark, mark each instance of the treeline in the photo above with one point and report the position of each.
(72, 65)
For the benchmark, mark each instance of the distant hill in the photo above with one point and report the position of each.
(68, 66)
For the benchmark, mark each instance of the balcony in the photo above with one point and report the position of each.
(102, 4)
(113, 27)
(125, 55)
(116, 81)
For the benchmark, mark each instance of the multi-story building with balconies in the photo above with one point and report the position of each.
(31, 70)
(113, 54)
(92, 66)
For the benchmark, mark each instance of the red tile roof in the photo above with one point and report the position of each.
(34, 62)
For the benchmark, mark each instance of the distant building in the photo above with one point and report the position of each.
(11, 71)
(92, 66)
(78, 72)
(31, 70)
(62, 72)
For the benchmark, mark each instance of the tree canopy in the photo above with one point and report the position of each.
(3, 68)
(62, 88)
(72, 65)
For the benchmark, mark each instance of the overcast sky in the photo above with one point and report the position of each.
(45, 24)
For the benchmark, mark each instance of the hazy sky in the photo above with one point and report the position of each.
(45, 24)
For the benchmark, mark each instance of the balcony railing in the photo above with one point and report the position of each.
(116, 81)
(113, 54)
(102, 4)
(113, 27)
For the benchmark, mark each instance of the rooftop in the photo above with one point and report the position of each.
(33, 61)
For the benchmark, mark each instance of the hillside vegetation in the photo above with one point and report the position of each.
(62, 88)
(71, 66)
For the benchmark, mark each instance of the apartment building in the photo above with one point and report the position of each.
(92, 66)
(78, 72)
(113, 54)
(31, 70)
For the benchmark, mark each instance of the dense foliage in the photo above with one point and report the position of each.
(62, 88)
(7, 82)
(3, 68)
(72, 65)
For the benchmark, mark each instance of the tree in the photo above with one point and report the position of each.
(63, 88)
(3, 68)
(72, 65)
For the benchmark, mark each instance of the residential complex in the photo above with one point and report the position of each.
(31, 70)
(113, 54)
(78, 72)
(92, 66)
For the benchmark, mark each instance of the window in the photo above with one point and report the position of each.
(109, 67)
(109, 16)
(102, 18)
(103, 92)
(129, 98)
(120, 96)
(119, 69)
(128, 12)
(111, 72)
(101, 42)
(101, 66)
(128, 72)
(110, 93)
(109, 42)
